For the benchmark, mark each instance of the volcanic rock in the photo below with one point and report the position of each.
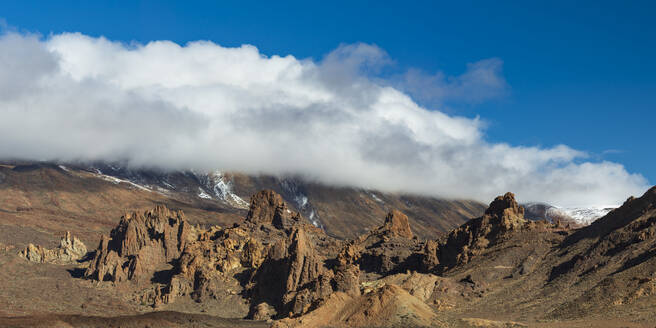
(70, 249)
(140, 244)
(207, 267)
(270, 253)
(292, 277)
(385, 250)
(429, 258)
(268, 207)
(397, 223)
(503, 216)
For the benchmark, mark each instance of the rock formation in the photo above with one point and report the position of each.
(502, 216)
(397, 223)
(6, 248)
(268, 207)
(385, 250)
(208, 265)
(70, 250)
(274, 265)
(292, 277)
(139, 245)
(270, 253)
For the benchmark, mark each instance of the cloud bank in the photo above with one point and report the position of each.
(71, 97)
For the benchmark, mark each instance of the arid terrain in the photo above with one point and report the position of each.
(136, 255)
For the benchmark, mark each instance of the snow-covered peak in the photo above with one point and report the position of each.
(584, 216)
(580, 215)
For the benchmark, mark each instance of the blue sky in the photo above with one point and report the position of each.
(579, 73)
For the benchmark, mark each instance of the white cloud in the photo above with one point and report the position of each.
(71, 97)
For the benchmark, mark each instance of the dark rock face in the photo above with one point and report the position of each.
(271, 256)
(429, 259)
(295, 278)
(292, 277)
(140, 244)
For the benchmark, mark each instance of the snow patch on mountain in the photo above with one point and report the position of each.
(223, 189)
(203, 194)
(579, 215)
(116, 180)
(584, 216)
(301, 201)
(376, 198)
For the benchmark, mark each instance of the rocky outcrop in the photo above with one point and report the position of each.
(292, 277)
(6, 248)
(208, 266)
(385, 250)
(396, 223)
(70, 250)
(139, 245)
(271, 257)
(274, 265)
(504, 215)
(268, 207)
(506, 211)
(429, 259)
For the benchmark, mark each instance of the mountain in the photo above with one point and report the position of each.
(577, 216)
(43, 200)
(535, 270)
(500, 269)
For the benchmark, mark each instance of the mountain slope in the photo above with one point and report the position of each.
(535, 270)
(51, 199)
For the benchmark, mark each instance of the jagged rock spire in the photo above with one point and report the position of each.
(505, 205)
(140, 242)
(397, 223)
(268, 207)
(264, 206)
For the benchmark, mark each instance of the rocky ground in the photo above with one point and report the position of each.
(159, 267)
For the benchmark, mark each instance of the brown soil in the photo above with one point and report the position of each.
(153, 319)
